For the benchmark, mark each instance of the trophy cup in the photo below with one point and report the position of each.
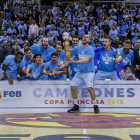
(66, 37)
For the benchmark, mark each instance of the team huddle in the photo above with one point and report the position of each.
(43, 62)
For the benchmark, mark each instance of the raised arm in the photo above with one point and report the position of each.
(83, 61)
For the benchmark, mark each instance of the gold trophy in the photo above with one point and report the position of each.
(66, 37)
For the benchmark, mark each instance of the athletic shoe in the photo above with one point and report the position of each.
(74, 109)
(96, 109)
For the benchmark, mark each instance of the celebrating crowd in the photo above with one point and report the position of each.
(32, 44)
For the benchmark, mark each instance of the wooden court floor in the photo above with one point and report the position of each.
(69, 126)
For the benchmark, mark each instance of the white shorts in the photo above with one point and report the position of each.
(83, 78)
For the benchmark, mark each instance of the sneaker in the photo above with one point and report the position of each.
(96, 109)
(74, 109)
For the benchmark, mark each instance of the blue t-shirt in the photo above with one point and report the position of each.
(7, 24)
(127, 58)
(17, 23)
(26, 62)
(37, 48)
(61, 56)
(12, 66)
(34, 71)
(106, 60)
(73, 68)
(82, 53)
(50, 66)
(9, 31)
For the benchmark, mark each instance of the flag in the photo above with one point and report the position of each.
(97, 51)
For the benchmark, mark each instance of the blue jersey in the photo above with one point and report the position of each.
(40, 37)
(81, 31)
(23, 28)
(8, 14)
(50, 66)
(51, 39)
(17, 23)
(127, 58)
(37, 48)
(26, 62)
(20, 38)
(73, 68)
(61, 56)
(9, 31)
(82, 53)
(134, 37)
(106, 60)
(34, 71)
(49, 26)
(17, 8)
(12, 66)
(3, 39)
(7, 24)
(123, 30)
(113, 34)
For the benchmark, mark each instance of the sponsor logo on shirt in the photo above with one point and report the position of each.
(107, 59)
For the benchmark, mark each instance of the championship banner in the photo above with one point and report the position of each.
(55, 96)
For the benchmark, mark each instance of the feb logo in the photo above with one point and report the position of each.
(72, 120)
(12, 94)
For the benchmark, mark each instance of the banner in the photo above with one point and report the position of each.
(130, 2)
(22, 1)
(56, 95)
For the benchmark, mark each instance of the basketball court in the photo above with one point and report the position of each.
(69, 126)
(38, 111)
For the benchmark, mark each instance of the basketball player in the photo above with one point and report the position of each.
(86, 71)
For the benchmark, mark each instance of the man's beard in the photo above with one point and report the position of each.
(54, 62)
(126, 51)
(85, 43)
(44, 46)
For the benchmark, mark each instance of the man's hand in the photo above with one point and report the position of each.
(1, 77)
(70, 61)
(116, 60)
(19, 78)
(28, 75)
(138, 67)
(24, 70)
(31, 60)
(61, 63)
(44, 73)
(10, 81)
(57, 68)
(59, 73)
(122, 72)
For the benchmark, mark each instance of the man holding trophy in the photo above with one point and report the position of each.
(86, 71)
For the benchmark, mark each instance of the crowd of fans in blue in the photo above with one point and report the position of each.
(37, 34)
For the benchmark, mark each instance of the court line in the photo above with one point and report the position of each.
(85, 133)
(15, 135)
